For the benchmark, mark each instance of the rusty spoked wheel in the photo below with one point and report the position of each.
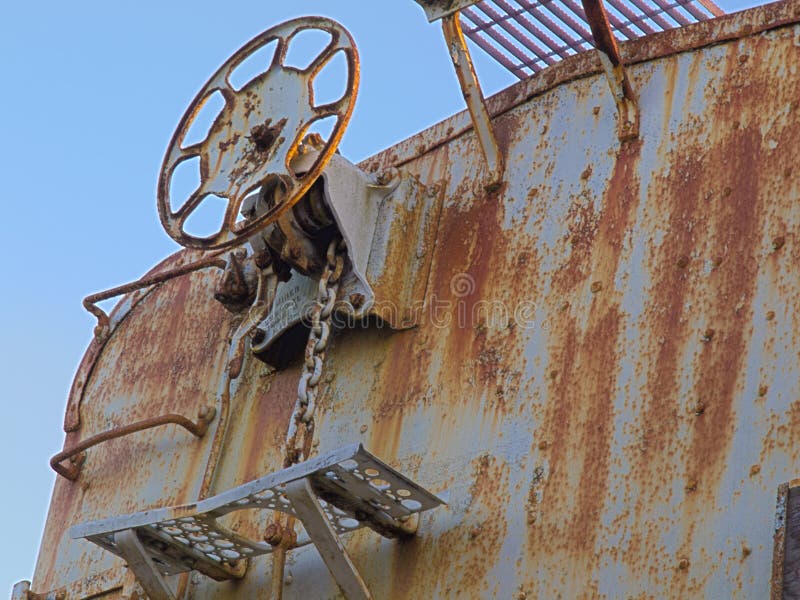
(256, 136)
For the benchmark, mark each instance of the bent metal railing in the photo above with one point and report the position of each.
(68, 463)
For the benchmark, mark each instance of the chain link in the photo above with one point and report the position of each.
(307, 389)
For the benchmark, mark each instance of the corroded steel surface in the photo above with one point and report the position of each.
(604, 381)
(161, 359)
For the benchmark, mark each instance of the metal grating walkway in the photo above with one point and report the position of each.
(525, 36)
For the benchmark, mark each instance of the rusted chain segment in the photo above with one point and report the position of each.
(74, 454)
(321, 315)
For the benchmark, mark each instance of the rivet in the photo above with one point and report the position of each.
(363, 428)
(755, 470)
(683, 564)
(778, 242)
(543, 445)
(717, 262)
(726, 192)
(683, 262)
(691, 485)
(357, 300)
(770, 315)
(699, 408)
(708, 335)
(762, 390)
(746, 550)
(596, 286)
(288, 579)
(273, 534)
(553, 373)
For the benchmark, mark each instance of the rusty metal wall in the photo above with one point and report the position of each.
(605, 380)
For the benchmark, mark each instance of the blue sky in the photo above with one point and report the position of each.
(92, 93)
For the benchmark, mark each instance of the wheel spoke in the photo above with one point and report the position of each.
(280, 53)
(220, 83)
(231, 214)
(332, 108)
(189, 206)
(328, 52)
(192, 150)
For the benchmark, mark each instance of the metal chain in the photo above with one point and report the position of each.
(307, 389)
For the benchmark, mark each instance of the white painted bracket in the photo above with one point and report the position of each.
(614, 68)
(473, 96)
(140, 562)
(330, 548)
(627, 107)
(438, 9)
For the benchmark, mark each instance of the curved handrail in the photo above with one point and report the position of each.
(75, 454)
(103, 327)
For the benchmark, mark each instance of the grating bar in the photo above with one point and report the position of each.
(638, 20)
(526, 36)
(523, 55)
(506, 23)
(540, 16)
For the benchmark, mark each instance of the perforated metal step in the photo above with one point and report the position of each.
(353, 488)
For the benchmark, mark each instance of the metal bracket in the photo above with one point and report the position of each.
(437, 9)
(22, 591)
(785, 582)
(330, 548)
(614, 68)
(139, 561)
(335, 493)
(388, 223)
(471, 90)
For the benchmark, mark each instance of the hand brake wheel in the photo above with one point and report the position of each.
(256, 136)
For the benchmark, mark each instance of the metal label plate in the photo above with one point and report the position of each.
(292, 301)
